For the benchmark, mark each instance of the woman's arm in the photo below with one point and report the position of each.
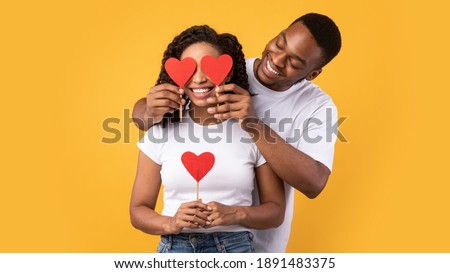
(270, 212)
(143, 201)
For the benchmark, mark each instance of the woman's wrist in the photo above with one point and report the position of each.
(168, 226)
(241, 215)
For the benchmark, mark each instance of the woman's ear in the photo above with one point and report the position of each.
(229, 77)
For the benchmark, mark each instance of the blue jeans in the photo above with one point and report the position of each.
(217, 242)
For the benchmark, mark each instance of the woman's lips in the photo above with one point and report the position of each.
(201, 93)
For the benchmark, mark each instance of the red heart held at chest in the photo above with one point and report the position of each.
(217, 69)
(180, 71)
(198, 165)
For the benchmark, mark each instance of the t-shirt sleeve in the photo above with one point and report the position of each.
(259, 158)
(151, 144)
(319, 135)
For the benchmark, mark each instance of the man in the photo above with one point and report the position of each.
(291, 120)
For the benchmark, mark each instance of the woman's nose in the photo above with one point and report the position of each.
(199, 76)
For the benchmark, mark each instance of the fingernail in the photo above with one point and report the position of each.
(181, 91)
(208, 222)
(211, 110)
(209, 100)
(217, 89)
(209, 208)
(216, 116)
(183, 101)
(208, 218)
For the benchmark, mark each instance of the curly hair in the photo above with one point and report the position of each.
(224, 43)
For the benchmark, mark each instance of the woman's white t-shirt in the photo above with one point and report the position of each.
(222, 158)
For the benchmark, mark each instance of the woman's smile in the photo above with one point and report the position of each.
(201, 92)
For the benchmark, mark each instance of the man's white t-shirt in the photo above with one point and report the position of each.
(306, 118)
(221, 157)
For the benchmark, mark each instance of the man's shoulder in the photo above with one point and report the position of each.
(249, 66)
(309, 92)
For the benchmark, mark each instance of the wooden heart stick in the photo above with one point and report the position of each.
(198, 166)
(217, 96)
(180, 72)
(217, 69)
(198, 191)
(181, 105)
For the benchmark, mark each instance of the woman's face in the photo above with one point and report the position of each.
(199, 87)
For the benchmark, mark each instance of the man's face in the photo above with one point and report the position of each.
(288, 58)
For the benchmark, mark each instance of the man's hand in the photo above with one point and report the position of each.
(161, 99)
(236, 105)
(191, 214)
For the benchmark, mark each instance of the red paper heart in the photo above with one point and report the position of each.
(217, 69)
(180, 71)
(198, 166)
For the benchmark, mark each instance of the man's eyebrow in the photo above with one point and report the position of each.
(283, 35)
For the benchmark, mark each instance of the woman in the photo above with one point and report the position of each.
(200, 151)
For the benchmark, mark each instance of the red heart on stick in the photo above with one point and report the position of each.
(180, 71)
(198, 166)
(217, 69)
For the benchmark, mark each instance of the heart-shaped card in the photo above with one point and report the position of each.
(180, 71)
(198, 165)
(217, 69)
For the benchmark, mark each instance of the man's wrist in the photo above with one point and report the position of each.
(150, 120)
(250, 123)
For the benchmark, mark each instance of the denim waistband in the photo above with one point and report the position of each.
(189, 239)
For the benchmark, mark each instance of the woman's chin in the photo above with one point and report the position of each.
(199, 102)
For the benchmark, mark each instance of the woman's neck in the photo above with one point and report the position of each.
(200, 115)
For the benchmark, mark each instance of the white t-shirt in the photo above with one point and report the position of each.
(221, 157)
(306, 118)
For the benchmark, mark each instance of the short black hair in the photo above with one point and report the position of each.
(325, 32)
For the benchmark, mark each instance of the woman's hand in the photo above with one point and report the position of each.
(191, 215)
(161, 99)
(222, 215)
(237, 105)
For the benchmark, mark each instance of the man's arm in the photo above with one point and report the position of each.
(293, 166)
(139, 115)
(160, 99)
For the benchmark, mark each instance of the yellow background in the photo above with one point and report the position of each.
(66, 66)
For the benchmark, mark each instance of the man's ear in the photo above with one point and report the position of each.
(311, 76)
